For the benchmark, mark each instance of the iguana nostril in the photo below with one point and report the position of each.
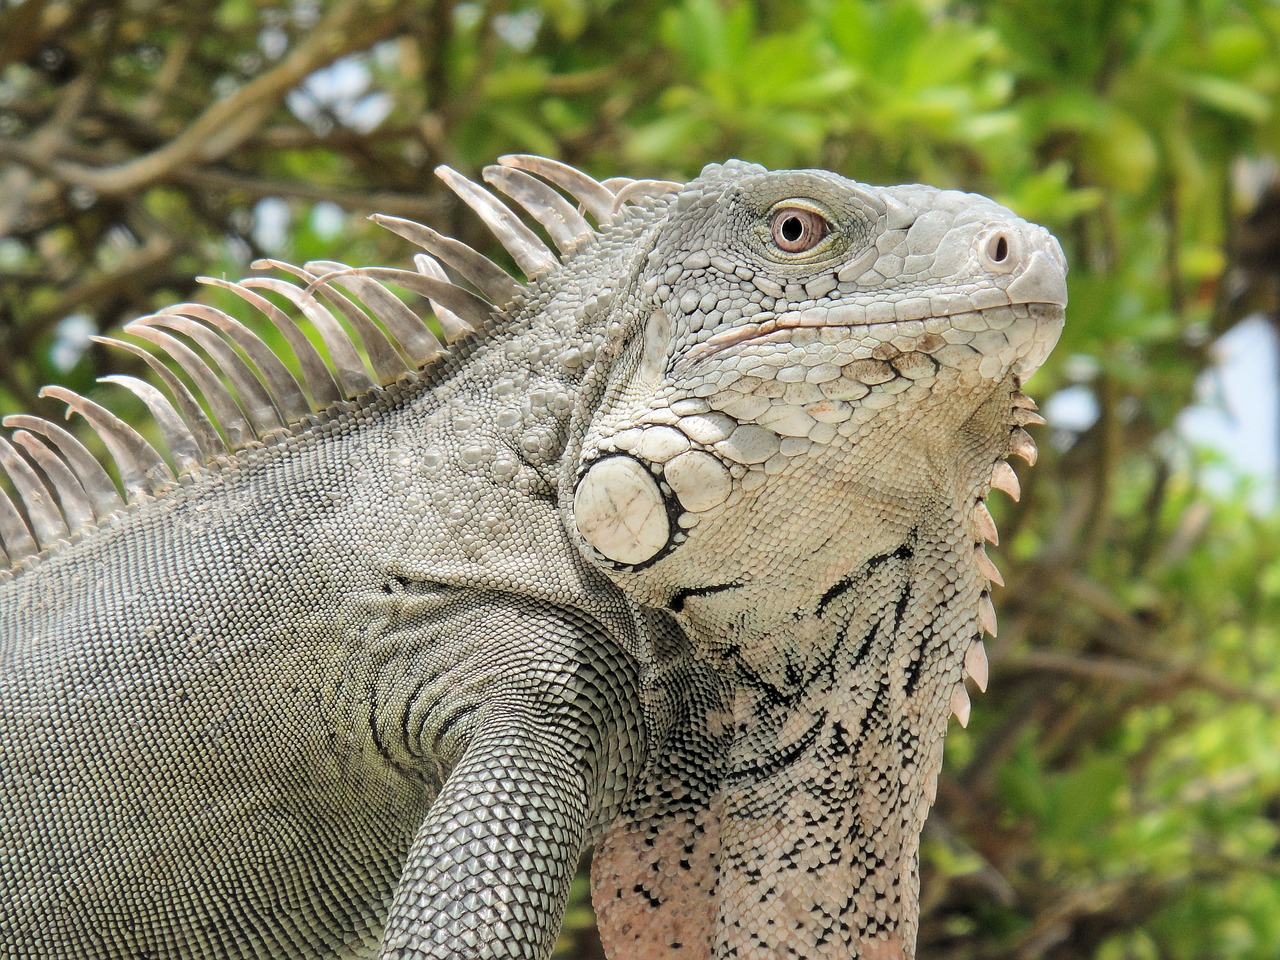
(1001, 250)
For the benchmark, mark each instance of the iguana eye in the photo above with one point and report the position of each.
(796, 229)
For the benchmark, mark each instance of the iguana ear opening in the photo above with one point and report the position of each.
(654, 344)
(636, 375)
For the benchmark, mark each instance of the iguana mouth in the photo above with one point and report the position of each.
(777, 327)
(1040, 282)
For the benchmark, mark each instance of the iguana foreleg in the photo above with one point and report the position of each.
(556, 744)
(489, 873)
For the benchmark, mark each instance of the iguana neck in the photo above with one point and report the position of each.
(842, 694)
(839, 713)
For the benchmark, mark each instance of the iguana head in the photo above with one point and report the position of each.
(816, 367)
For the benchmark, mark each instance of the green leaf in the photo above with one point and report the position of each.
(1229, 97)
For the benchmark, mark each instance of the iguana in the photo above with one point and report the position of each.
(675, 549)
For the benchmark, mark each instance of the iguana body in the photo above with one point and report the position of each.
(680, 553)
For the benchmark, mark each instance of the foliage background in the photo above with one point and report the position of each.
(1117, 794)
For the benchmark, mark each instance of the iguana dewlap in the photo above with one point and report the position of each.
(677, 549)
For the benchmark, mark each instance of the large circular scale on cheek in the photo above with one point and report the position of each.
(620, 511)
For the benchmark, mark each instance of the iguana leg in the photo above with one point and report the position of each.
(489, 873)
(553, 740)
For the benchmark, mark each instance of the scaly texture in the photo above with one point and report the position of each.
(676, 548)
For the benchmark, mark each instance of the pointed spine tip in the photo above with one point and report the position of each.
(987, 613)
(984, 526)
(975, 664)
(1027, 418)
(1022, 445)
(960, 704)
(986, 567)
(1003, 478)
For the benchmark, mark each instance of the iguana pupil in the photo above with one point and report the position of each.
(796, 230)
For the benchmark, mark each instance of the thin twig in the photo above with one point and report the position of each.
(395, 204)
(1110, 670)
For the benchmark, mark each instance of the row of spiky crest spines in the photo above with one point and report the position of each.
(63, 490)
